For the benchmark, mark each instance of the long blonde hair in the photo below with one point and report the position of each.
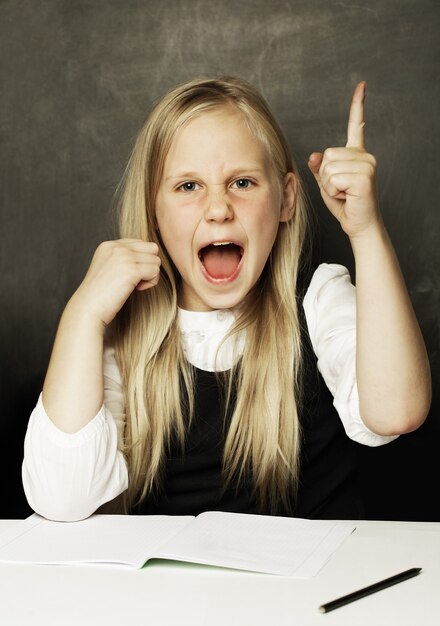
(263, 440)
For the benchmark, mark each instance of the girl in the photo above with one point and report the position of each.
(206, 394)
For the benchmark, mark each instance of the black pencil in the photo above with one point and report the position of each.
(361, 593)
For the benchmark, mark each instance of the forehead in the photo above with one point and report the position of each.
(214, 132)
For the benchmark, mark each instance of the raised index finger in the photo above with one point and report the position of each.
(355, 130)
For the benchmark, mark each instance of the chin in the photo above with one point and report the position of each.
(224, 301)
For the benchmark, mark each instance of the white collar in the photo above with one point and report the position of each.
(203, 333)
(205, 321)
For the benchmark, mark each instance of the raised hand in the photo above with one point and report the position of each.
(347, 176)
(392, 367)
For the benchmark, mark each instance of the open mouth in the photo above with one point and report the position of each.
(221, 259)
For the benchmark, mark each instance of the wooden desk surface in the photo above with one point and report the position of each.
(167, 593)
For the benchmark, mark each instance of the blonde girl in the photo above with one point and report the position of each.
(180, 378)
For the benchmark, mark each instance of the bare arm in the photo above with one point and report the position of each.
(73, 388)
(392, 368)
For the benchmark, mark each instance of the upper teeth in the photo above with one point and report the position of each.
(222, 243)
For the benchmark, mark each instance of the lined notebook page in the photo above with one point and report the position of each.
(117, 539)
(273, 545)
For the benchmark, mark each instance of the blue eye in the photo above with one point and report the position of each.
(242, 183)
(188, 186)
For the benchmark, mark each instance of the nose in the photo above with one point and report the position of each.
(218, 207)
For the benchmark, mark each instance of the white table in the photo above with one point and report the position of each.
(167, 593)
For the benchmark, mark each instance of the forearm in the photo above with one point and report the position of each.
(73, 388)
(392, 367)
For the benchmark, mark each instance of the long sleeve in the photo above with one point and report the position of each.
(68, 476)
(330, 309)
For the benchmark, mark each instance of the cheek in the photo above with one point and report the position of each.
(167, 220)
(165, 227)
(263, 219)
(175, 216)
(176, 235)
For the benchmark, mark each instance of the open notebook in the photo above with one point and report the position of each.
(273, 545)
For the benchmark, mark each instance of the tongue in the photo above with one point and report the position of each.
(221, 261)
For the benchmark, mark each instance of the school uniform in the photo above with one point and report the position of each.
(69, 476)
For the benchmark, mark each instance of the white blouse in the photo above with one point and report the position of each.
(68, 476)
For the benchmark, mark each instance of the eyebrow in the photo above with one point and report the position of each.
(244, 170)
